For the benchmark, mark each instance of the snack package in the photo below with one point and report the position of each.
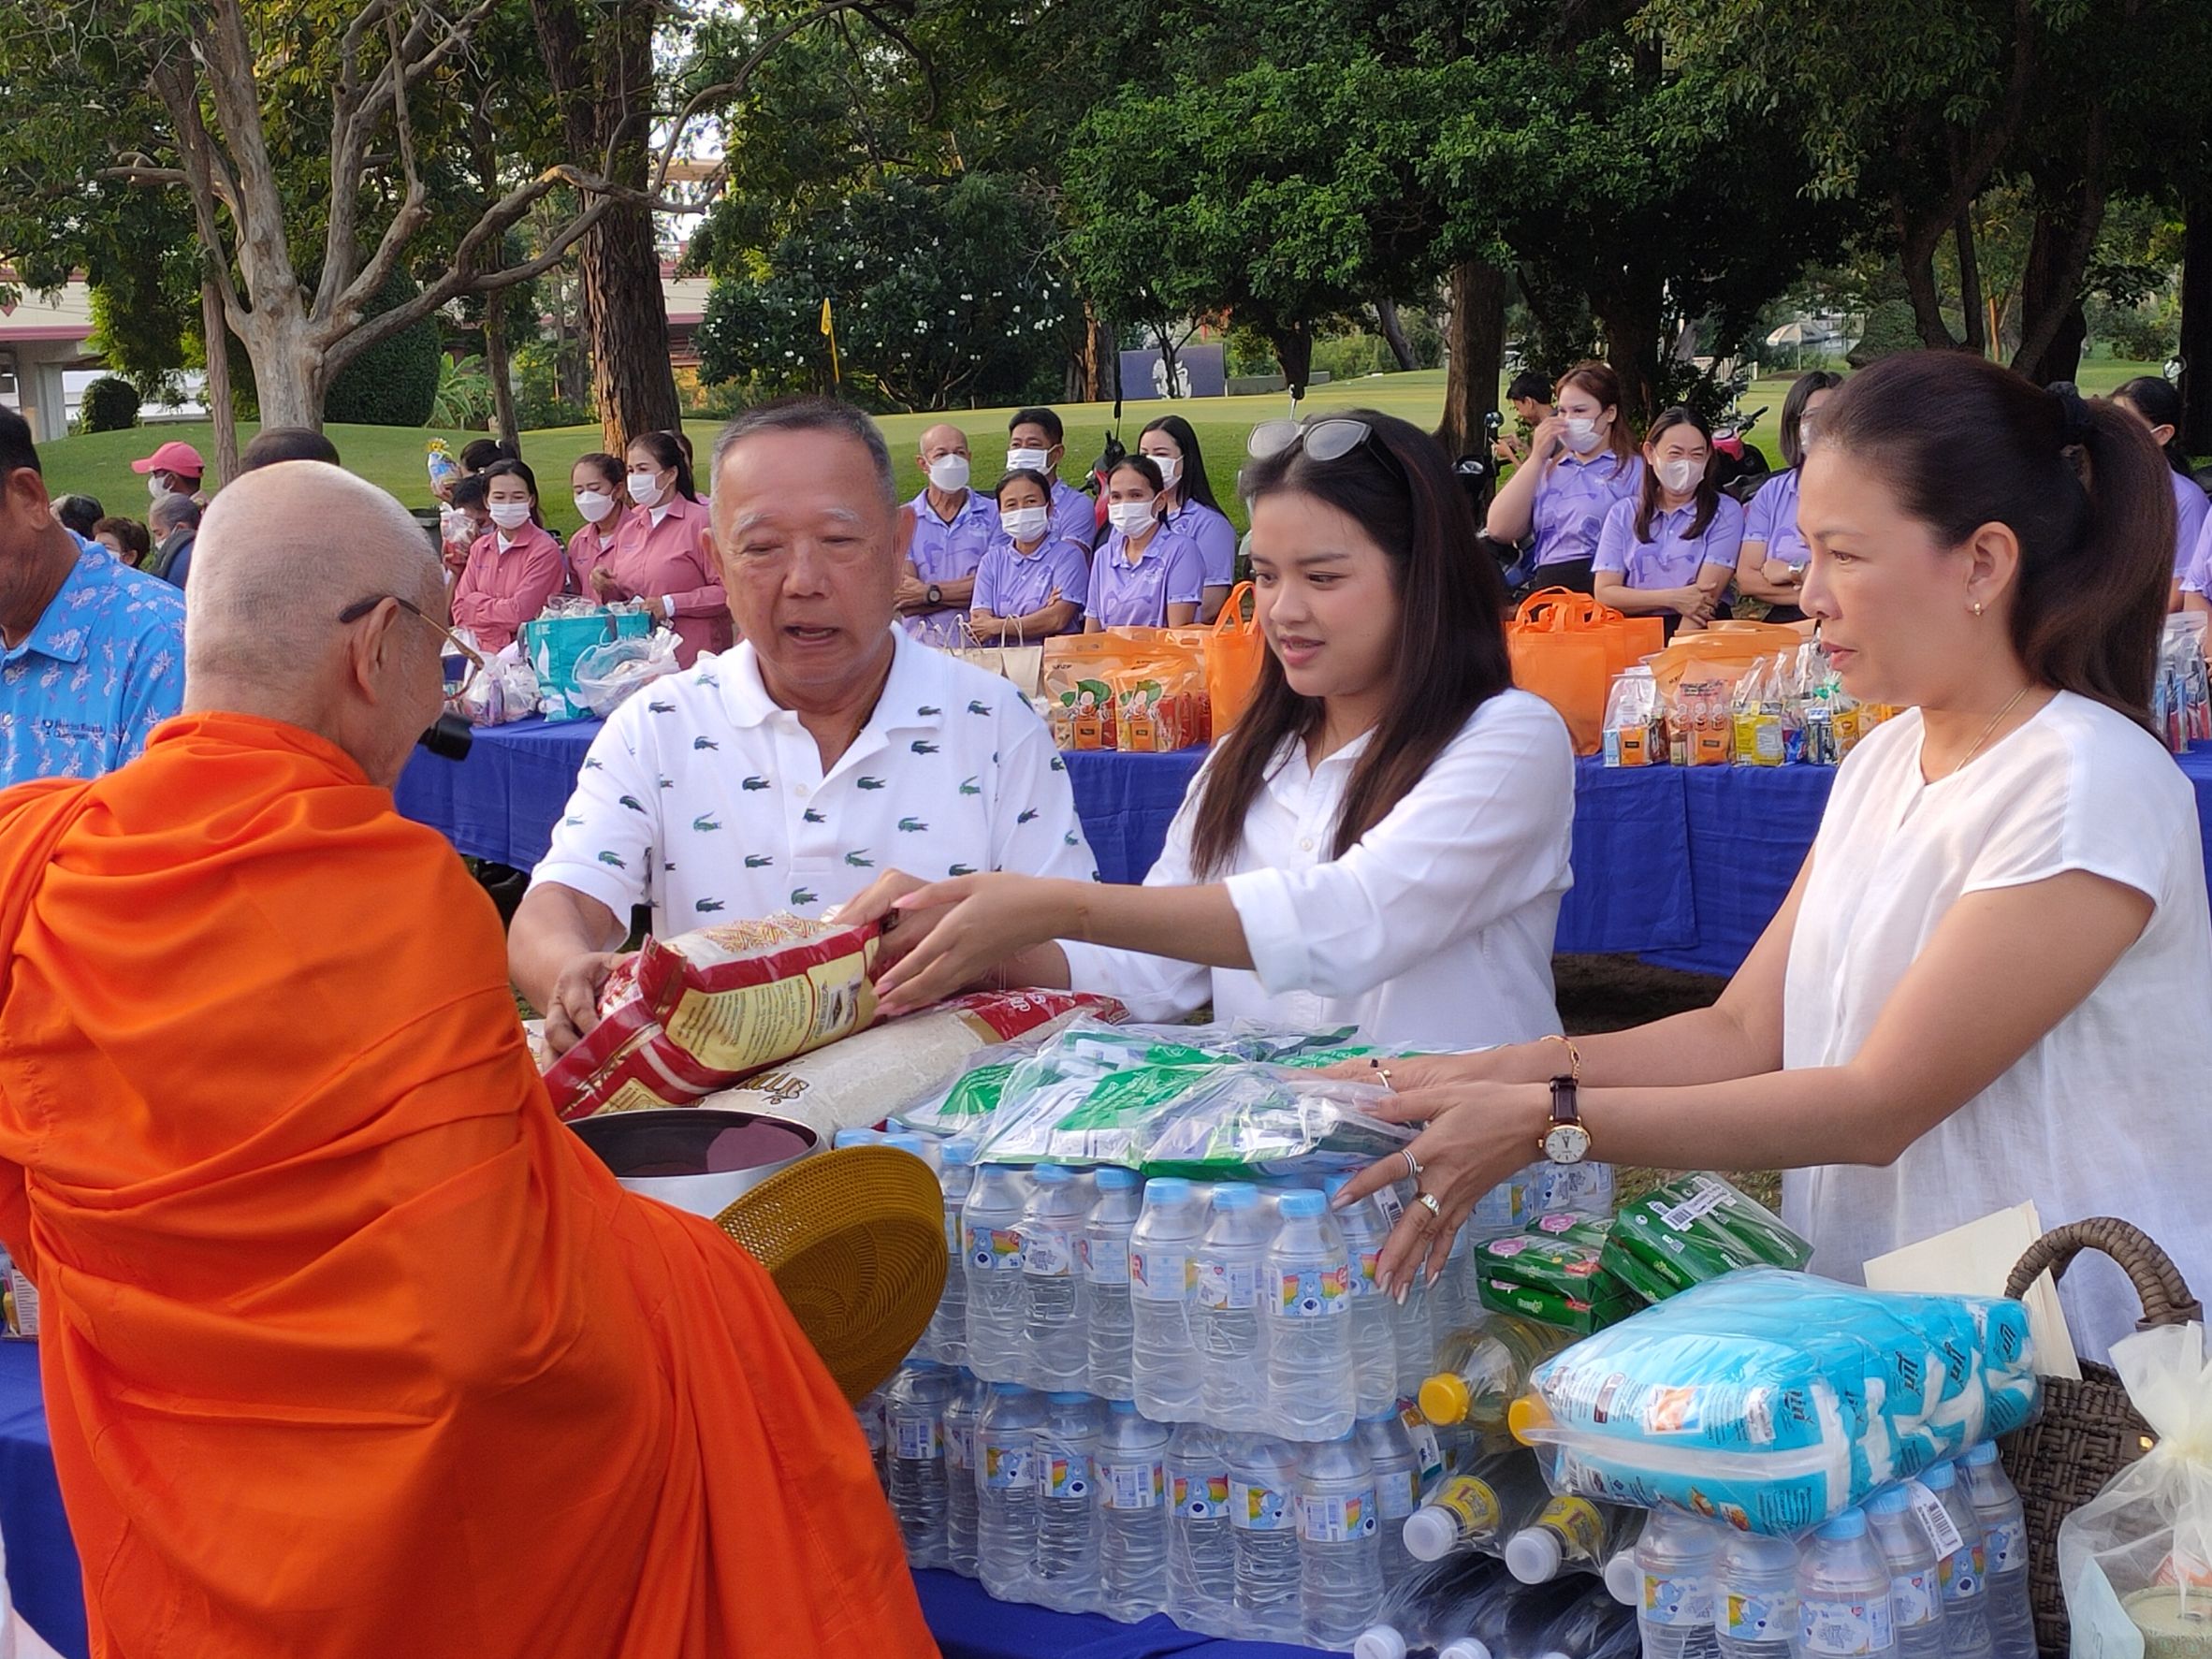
(686, 1016)
(1160, 704)
(878, 1073)
(444, 469)
(1552, 1273)
(1078, 670)
(1692, 1229)
(1757, 716)
(1631, 734)
(1774, 1401)
(18, 1300)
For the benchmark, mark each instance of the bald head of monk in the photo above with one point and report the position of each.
(283, 553)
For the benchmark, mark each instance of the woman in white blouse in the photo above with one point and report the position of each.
(1992, 981)
(1381, 841)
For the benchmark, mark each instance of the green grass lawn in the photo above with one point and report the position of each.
(99, 464)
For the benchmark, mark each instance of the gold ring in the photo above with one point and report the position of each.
(1428, 1201)
(1384, 1072)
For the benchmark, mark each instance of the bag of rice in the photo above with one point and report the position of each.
(868, 1077)
(687, 1016)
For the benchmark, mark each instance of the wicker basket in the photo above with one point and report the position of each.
(2087, 1431)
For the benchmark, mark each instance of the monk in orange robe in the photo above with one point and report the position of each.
(350, 1347)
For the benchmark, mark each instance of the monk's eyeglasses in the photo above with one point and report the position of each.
(459, 661)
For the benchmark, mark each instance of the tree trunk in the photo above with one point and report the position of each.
(1393, 332)
(216, 331)
(2058, 253)
(1294, 351)
(1917, 236)
(1969, 284)
(2196, 323)
(1474, 353)
(496, 361)
(1630, 317)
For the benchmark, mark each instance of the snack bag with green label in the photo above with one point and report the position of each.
(1695, 1228)
(1553, 1273)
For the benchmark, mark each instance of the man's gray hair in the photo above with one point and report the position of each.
(172, 512)
(811, 415)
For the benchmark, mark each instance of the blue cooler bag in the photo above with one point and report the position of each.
(554, 645)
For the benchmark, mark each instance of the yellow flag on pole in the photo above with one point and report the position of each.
(829, 327)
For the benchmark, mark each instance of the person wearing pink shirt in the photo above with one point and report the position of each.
(512, 568)
(661, 552)
(597, 483)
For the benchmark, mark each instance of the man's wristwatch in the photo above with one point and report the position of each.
(935, 595)
(1567, 1141)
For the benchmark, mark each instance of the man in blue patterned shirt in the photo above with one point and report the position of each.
(91, 652)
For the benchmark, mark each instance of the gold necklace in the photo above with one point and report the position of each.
(1989, 728)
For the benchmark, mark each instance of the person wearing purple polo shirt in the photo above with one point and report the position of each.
(1669, 552)
(1580, 463)
(1772, 564)
(1188, 506)
(1033, 582)
(2156, 406)
(1145, 575)
(1036, 442)
(953, 526)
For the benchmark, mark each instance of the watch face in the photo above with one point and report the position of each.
(1567, 1144)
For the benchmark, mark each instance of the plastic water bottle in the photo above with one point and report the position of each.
(1228, 1258)
(1843, 1606)
(1414, 1327)
(1482, 1369)
(1915, 1581)
(1452, 1305)
(1006, 1490)
(1068, 1509)
(1201, 1553)
(870, 1413)
(1375, 1342)
(1964, 1568)
(1263, 1497)
(2012, 1618)
(1133, 1544)
(963, 1407)
(1307, 1290)
(946, 1337)
(1676, 1557)
(848, 1138)
(1396, 1467)
(915, 1435)
(1340, 1583)
(1622, 1577)
(1511, 1621)
(1592, 1623)
(1163, 1345)
(1055, 1352)
(1477, 1510)
(1106, 1283)
(1756, 1598)
(991, 1246)
(1568, 1533)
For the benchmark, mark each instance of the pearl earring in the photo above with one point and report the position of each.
(1977, 607)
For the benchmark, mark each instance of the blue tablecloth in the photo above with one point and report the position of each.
(969, 1624)
(42, 1573)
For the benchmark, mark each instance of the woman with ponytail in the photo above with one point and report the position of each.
(1580, 462)
(1992, 980)
(2153, 400)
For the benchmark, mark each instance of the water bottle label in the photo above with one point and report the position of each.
(1913, 1599)
(1676, 1601)
(1845, 1629)
(1312, 1292)
(1757, 1618)
(918, 1439)
(1202, 1497)
(1399, 1495)
(1258, 1508)
(1066, 1473)
(1472, 1504)
(2007, 1549)
(989, 1249)
(1345, 1519)
(1006, 1468)
(1961, 1574)
(959, 1446)
(1227, 1286)
(1391, 1206)
(1134, 1486)
(952, 1245)
(1105, 1261)
(1163, 1275)
(1366, 1280)
(1576, 1524)
(1047, 1253)
(1943, 1531)
(1426, 1445)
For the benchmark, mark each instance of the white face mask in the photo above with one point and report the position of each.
(1581, 436)
(1025, 460)
(1681, 475)
(1026, 524)
(645, 488)
(594, 504)
(1171, 468)
(157, 486)
(948, 472)
(510, 515)
(1132, 518)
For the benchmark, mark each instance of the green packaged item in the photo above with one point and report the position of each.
(1693, 1229)
(1553, 1307)
(1554, 1272)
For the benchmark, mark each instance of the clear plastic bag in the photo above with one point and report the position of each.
(1632, 726)
(2136, 1561)
(608, 674)
(507, 689)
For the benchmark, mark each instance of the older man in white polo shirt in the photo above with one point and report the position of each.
(788, 773)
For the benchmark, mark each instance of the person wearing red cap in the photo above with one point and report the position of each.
(174, 468)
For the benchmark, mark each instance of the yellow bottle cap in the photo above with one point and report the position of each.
(1445, 1399)
(1527, 1417)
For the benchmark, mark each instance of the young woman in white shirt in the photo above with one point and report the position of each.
(1381, 841)
(1992, 981)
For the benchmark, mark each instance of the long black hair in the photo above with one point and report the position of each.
(2156, 399)
(668, 453)
(1792, 410)
(1964, 443)
(1193, 485)
(516, 469)
(1708, 493)
(1451, 657)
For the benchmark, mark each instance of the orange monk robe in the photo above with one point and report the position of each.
(350, 1346)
